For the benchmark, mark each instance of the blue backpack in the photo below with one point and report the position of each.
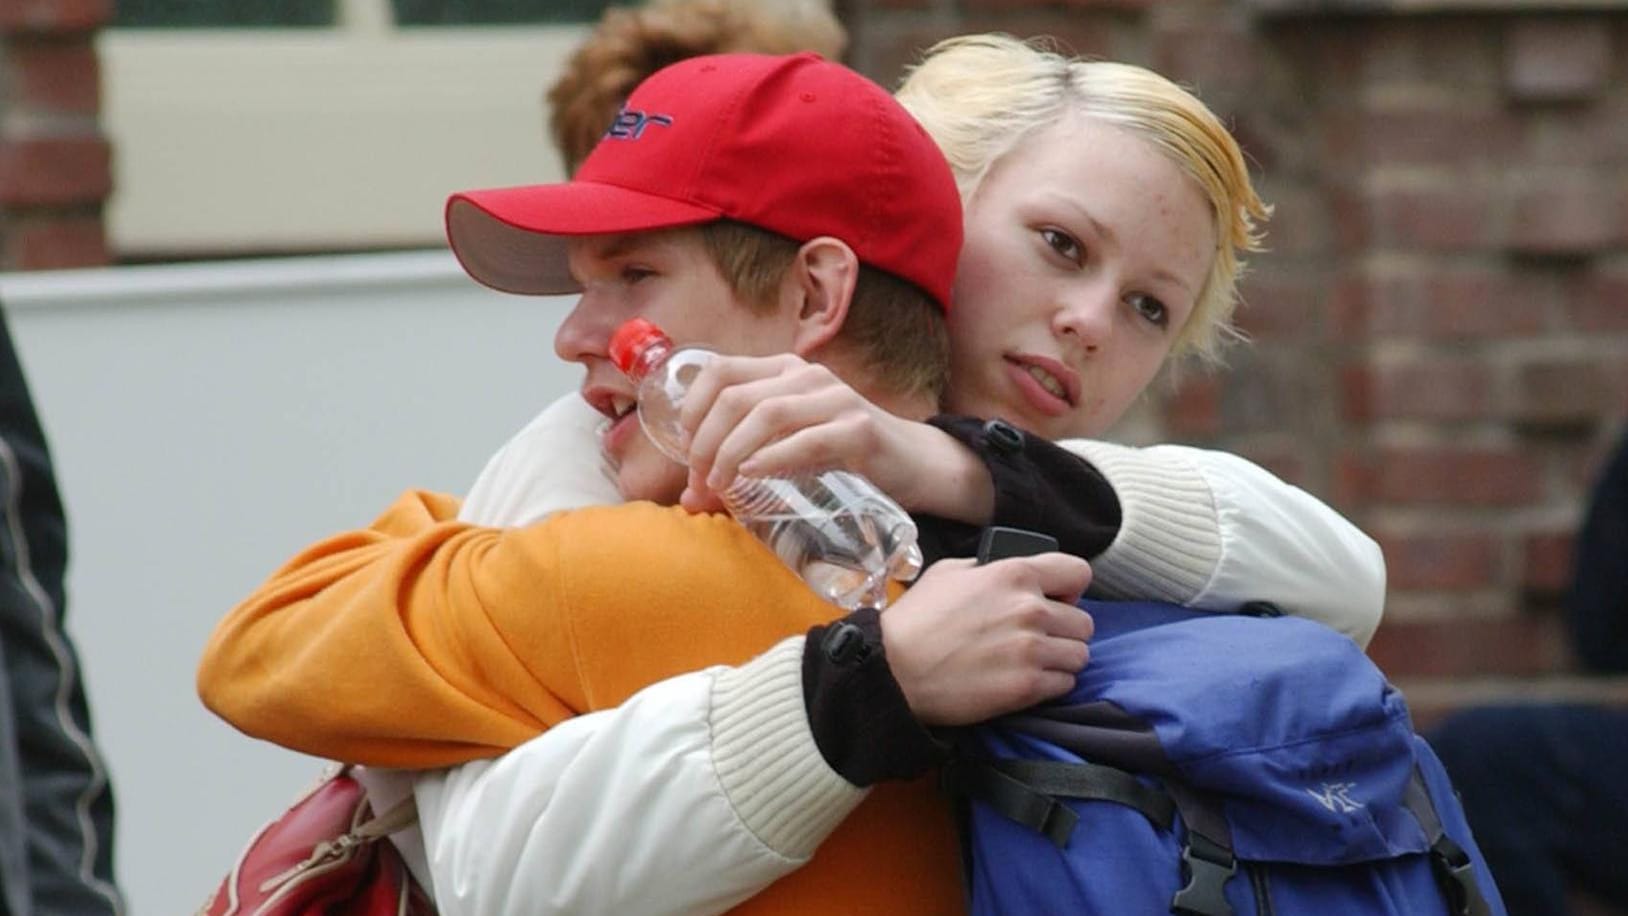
(1215, 765)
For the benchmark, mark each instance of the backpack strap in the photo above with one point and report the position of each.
(1454, 871)
(1207, 862)
(1029, 792)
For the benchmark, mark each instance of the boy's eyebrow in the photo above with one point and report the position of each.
(621, 244)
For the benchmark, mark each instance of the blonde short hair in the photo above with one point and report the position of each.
(979, 96)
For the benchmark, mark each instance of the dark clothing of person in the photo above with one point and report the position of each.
(56, 808)
(1542, 783)
(1599, 597)
(1543, 789)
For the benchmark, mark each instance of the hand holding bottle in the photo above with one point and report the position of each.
(762, 416)
(836, 530)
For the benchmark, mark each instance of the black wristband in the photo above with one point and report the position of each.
(1039, 486)
(860, 719)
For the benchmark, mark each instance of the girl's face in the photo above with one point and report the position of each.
(1086, 249)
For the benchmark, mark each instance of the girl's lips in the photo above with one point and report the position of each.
(1035, 393)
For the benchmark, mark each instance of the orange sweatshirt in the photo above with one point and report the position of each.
(422, 642)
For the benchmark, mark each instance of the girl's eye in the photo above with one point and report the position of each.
(1064, 244)
(632, 275)
(1151, 309)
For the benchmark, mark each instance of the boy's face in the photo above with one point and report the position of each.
(667, 277)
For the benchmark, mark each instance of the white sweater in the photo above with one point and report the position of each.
(659, 806)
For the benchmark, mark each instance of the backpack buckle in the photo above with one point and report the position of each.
(1208, 867)
(1455, 873)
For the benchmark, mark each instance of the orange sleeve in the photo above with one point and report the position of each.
(421, 641)
(353, 650)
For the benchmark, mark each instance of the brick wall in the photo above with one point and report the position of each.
(1441, 327)
(54, 162)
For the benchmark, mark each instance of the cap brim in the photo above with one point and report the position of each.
(513, 239)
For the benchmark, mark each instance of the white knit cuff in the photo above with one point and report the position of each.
(767, 761)
(1169, 543)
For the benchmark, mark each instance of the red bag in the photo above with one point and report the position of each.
(327, 854)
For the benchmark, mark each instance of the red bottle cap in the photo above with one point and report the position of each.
(630, 341)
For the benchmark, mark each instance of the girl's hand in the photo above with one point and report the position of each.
(967, 643)
(777, 415)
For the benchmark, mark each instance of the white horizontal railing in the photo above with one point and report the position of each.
(208, 421)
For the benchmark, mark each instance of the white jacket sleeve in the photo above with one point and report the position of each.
(676, 802)
(1211, 530)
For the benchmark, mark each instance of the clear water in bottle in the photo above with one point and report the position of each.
(834, 528)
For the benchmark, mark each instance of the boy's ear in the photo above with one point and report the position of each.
(821, 281)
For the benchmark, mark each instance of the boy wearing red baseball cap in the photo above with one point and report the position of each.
(761, 205)
(790, 206)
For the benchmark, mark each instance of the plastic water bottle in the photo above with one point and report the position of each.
(834, 528)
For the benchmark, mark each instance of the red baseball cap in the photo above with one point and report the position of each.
(796, 145)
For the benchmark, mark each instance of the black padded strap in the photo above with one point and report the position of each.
(1207, 862)
(1454, 871)
(1029, 792)
(1093, 782)
(1010, 798)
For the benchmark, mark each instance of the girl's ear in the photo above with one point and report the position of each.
(821, 282)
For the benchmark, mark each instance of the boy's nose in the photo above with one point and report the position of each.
(585, 332)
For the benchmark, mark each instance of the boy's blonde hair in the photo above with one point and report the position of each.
(894, 327)
(979, 96)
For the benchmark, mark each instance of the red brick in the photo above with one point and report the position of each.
(53, 16)
(1444, 303)
(1546, 562)
(1210, 61)
(1194, 409)
(1523, 645)
(1442, 475)
(1570, 136)
(1280, 304)
(1350, 303)
(1351, 217)
(1560, 390)
(1370, 139)
(53, 243)
(1269, 145)
(52, 76)
(1301, 222)
(1106, 34)
(886, 52)
(1439, 561)
(1549, 59)
(1399, 52)
(54, 171)
(1431, 388)
(1602, 304)
(1454, 216)
(1569, 217)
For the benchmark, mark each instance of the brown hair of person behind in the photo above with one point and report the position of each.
(630, 43)
(893, 326)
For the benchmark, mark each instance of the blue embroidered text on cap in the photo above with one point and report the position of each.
(630, 124)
